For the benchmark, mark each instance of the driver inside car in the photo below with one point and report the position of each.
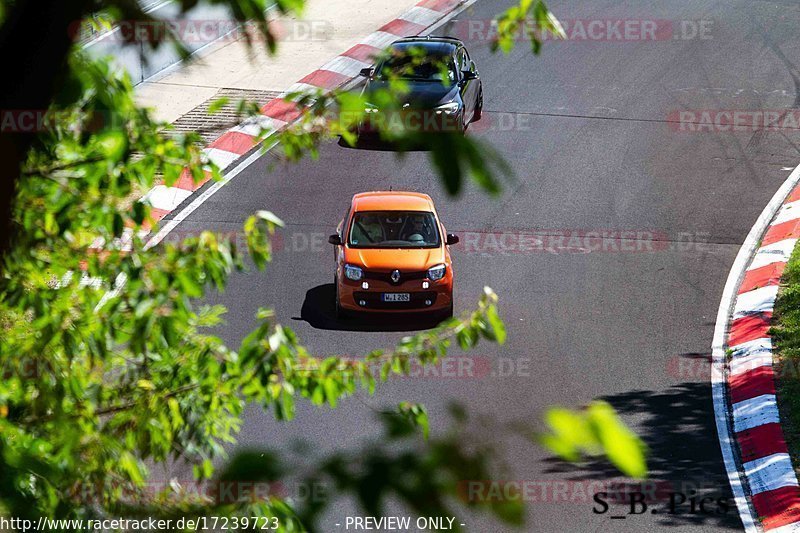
(417, 231)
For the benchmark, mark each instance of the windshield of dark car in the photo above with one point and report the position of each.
(394, 229)
(412, 67)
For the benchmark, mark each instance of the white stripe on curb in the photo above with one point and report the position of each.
(788, 212)
(746, 348)
(300, 88)
(253, 125)
(421, 15)
(770, 473)
(379, 39)
(777, 252)
(756, 301)
(346, 66)
(166, 198)
(754, 359)
(753, 412)
(222, 158)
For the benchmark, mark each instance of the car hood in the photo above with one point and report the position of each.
(421, 95)
(405, 260)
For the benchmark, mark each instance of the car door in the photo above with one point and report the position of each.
(469, 88)
(341, 229)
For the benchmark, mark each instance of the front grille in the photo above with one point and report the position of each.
(387, 276)
(373, 300)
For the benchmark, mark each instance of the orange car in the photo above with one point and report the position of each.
(392, 254)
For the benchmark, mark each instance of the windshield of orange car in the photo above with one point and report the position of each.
(394, 229)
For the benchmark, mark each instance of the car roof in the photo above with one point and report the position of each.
(392, 201)
(432, 45)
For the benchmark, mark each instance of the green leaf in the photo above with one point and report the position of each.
(467, 338)
(622, 447)
(496, 324)
(270, 218)
(113, 145)
(218, 104)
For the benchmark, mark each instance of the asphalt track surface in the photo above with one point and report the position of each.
(593, 150)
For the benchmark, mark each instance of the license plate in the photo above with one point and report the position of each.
(397, 297)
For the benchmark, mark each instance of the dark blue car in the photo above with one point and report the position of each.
(444, 90)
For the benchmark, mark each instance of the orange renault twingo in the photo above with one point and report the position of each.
(392, 255)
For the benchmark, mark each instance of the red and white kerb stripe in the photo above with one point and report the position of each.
(767, 467)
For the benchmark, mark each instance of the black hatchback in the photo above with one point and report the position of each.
(443, 90)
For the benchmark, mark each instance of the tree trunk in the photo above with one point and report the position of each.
(35, 42)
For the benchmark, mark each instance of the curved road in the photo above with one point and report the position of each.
(593, 149)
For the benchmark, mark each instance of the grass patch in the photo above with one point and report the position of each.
(785, 332)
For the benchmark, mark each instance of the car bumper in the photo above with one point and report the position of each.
(437, 297)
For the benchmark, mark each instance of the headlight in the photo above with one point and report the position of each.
(449, 108)
(353, 272)
(436, 273)
(369, 108)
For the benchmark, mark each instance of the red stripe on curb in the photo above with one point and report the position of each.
(234, 141)
(157, 214)
(778, 507)
(439, 5)
(363, 52)
(762, 277)
(794, 196)
(402, 28)
(187, 183)
(749, 328)
(325, 79)
(281, 109)
(752, 383)
(779, 232)
(761, 441)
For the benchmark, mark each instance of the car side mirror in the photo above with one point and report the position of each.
(335, 239)
(366, 72)
(469, 75)
(452, 239)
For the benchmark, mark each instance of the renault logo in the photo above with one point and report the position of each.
(395, 276)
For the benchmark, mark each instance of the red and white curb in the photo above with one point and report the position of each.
(242, 140)
(756, 457)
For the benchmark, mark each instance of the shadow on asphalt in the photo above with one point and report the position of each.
(318, 311)
(678, 427)
(375, 143)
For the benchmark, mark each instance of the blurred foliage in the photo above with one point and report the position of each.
(109, 365)
(528, 17)
(596, 430)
